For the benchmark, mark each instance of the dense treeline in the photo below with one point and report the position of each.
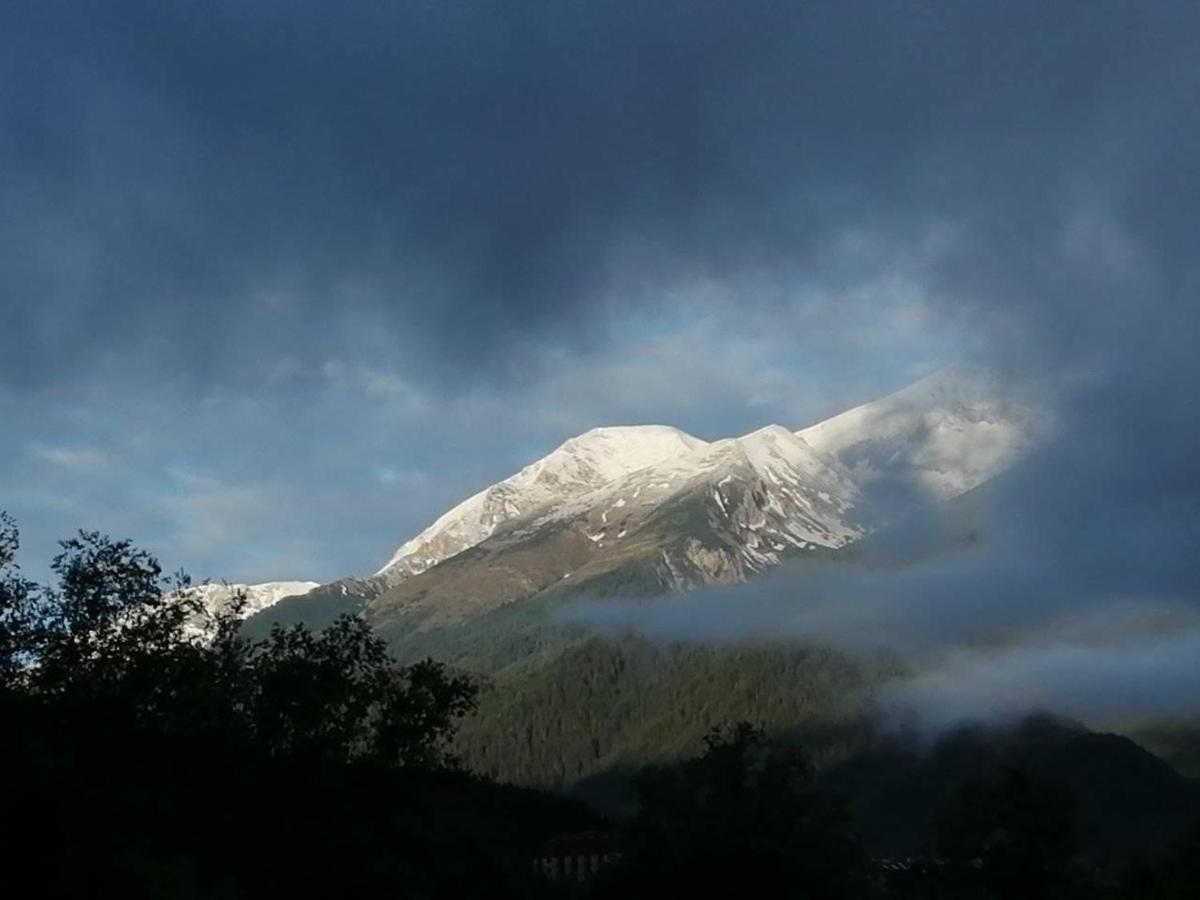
(605, 704)
(153, 751)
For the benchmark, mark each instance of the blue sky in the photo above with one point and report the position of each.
(279, 282)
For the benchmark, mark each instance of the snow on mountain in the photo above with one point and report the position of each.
(579, 466)
(647, 508)
(217, 597)
(653, 507)
(942, 435)
(720, 512)
(742, 504)
(805, 498)
(809, 493)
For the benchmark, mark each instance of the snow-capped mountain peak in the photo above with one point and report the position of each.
(668, 509)
(579, 465)
(602, 455)
(649, 508)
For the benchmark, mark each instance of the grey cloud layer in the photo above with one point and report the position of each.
(183, 183)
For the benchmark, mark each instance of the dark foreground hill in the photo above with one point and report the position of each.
(1126, 801)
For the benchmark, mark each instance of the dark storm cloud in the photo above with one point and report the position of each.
(184, 182)
(410, 199)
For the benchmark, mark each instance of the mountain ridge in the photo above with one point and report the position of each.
(646, 509)
(580, 463)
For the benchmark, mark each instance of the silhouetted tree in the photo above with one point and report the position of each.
(336, 694)
(15, 618)
(150, 749)
(743, 819)
(1012, 838)
(1174, 877)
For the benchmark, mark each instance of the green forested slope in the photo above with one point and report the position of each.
(604, 704)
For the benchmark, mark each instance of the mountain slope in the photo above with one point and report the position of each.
(258, 598)
(1128, 801)
(720, 513)
(645, 509)
(602, 705)
(578, 466)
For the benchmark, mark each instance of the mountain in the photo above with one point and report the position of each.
(582, 464)
(259, 597)
(1128, 802)
(638, 511)
(719, 512)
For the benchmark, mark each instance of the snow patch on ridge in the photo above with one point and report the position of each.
(216, 598)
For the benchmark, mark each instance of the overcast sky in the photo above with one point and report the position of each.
(281, 281)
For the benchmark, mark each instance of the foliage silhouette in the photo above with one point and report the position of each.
(743, 819)
(151, 750)
(1013, 838)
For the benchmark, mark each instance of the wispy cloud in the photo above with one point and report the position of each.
(80, 460)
